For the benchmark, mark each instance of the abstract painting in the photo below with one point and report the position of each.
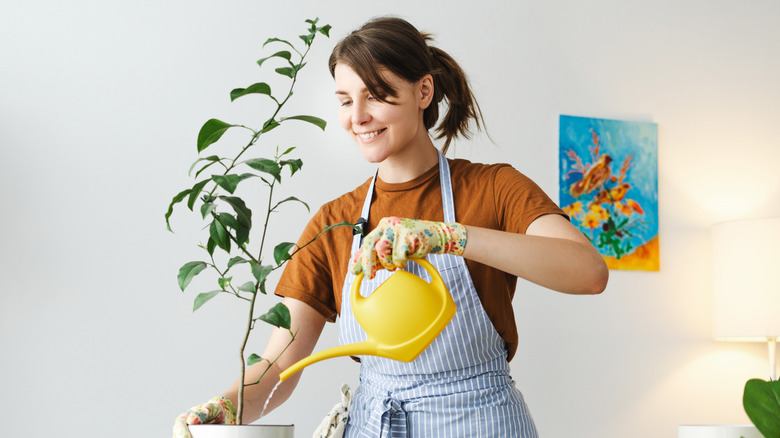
(609, 187)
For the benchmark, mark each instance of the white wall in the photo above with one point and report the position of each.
(100, 104)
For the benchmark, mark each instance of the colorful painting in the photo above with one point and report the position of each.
(609, 187)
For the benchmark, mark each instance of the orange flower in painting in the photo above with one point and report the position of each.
(592, 220)
(574, 210)
(635, 206)
(625, 209)
(600, 212)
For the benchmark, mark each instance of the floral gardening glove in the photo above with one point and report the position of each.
(217, 410)
(395, 240)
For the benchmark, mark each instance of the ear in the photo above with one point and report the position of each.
(425, 90)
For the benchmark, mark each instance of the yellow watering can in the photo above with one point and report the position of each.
(401, 318)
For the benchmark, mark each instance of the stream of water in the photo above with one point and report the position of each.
(265, 406)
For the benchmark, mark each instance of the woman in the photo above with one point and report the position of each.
(481, 226)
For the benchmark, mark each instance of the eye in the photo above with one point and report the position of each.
(345, 102)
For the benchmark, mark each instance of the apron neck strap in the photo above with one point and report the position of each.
(447, 200)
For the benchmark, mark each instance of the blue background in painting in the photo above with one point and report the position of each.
(618, 139)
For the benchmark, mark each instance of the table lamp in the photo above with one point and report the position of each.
(746, 283)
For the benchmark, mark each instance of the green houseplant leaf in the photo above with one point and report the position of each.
(281, 54)
(210, 132)
(188, 272)
(282, 252)
(203, 298)
(311, 119)
(278, 315)
(253, 359)
(258, 88)
(230, 182)
(265, 165)
(761, 400)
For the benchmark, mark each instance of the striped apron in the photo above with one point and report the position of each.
(459, 386)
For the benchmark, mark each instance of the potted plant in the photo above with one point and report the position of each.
(235, 245)
(761, 400)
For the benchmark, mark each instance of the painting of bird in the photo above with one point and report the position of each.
(593, 178)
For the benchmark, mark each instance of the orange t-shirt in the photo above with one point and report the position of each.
(489, 196)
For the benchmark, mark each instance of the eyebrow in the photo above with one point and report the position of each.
(344, 93)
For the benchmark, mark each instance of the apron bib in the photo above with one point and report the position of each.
(459, 386)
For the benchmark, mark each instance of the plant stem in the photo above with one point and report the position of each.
(240, 407)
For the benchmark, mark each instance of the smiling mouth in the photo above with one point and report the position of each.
(370, 135)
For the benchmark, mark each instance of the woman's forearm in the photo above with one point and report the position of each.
(568, 264)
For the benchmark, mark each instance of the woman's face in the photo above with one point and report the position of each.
(382, 130)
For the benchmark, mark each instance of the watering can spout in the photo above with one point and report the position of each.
(342, 350)
(401, 318)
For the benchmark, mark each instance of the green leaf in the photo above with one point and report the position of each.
(253, 359)
(236, 260)
(219, 235)
(211, 131)
(278, 315)
(242, 231)
(265, 165)
(282, 54)
(243, 214)
(207, 208)
(287, 151)
(325, 30)
(277, 40)
(211, 246)
(203, 298)
(269, 125)
(290, 199)
(211, 159)
(761, 400)
(230, 182)
(307, 38)
(311, 119)
(224, 282)
(188, 272)
(258, 88)
(176, 199)
(282, 252)
(294, 165)
(196, 190)
(260, 272)
(286, 71)
(249, 286)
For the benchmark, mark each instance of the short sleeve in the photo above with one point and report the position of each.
(519, 201)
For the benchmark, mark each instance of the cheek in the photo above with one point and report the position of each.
(345, 119)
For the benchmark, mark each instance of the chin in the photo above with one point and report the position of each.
(372, 155)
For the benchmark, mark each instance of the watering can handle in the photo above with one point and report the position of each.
(436, 281)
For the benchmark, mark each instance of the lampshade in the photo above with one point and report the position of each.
(746, 280)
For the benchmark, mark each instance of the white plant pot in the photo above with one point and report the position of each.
(241, 431)
(718, 431)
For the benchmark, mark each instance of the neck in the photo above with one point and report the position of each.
(399, 169)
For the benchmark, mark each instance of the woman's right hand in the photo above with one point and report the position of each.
(217, 410)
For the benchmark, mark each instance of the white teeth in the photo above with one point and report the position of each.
(368, 135)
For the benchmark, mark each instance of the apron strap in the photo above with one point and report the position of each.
(445, 181)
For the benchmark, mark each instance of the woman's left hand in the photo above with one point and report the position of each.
(396, 240)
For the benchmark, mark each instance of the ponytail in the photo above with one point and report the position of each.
(397, 45)
(450, 83)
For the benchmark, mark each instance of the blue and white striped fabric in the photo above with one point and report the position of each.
(459, 386)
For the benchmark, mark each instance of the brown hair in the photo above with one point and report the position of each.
(395, 44)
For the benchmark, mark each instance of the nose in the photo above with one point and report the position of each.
(360, 114)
